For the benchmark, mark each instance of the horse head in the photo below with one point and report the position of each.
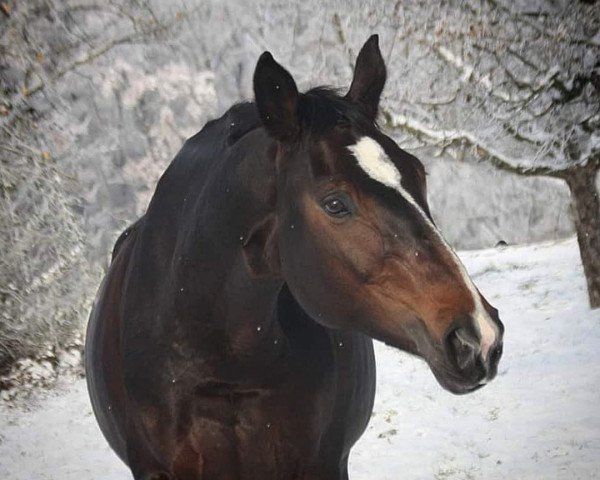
(351, 233)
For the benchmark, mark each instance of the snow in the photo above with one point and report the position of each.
(538, 420)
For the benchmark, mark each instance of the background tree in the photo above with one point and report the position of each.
(46, 277)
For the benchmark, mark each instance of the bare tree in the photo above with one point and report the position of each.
(515, 84)
(46, 278)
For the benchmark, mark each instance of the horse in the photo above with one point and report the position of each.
(231, 337)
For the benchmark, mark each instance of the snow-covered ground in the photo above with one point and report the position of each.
(540, 419)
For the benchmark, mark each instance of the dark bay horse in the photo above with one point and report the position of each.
(231, 337)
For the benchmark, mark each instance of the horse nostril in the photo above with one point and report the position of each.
(494, 355)
(462, 348)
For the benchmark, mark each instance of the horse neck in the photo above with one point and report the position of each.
(209, 263)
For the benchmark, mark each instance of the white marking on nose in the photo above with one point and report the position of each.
(371, 157)
(487, 329)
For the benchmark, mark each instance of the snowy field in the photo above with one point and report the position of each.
(540, 419)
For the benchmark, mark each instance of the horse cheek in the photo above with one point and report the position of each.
(358, 249)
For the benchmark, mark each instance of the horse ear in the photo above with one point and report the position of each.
(261, 251)
(369, 78)
(276, 97)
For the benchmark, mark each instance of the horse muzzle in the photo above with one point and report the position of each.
(467, 364)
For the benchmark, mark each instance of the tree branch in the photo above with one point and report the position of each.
(20, 103)
(484, 151)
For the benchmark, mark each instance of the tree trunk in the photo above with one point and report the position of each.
(586, 209)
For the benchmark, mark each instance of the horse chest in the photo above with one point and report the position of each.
(306, 421)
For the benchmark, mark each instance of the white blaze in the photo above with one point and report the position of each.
(371, 157)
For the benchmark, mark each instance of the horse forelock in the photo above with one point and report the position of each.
(322, 108)
(318, 111)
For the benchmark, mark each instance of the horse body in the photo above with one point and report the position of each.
(226, 358)
(231, 338)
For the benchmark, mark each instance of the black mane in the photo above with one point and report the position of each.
(322, 108)
(319, 109)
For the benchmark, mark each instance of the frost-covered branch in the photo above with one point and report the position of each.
(483, 150)
(143, 30)
(46, 273)
(469, 72)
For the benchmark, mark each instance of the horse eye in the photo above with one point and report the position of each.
(335, 207)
